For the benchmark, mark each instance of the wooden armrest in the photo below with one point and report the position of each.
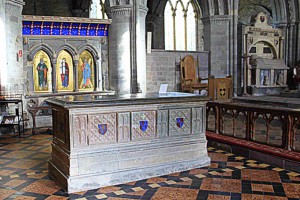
(202, 79)
(186, 80)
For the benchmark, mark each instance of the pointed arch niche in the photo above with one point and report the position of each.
(86, 71)
(64, 72)
(42, 71)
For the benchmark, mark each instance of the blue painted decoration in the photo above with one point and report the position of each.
(179, 122)
(143, 125)
(64, 28)
(102, 128)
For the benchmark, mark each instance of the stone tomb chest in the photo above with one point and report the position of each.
(106, 140)
(268, 76)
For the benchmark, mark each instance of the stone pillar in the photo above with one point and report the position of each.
(12, 72)
(119, 49)
(216, 37)
(54, 62)
(99, 81)
(141, 48)
(127, 48)
(75, 68)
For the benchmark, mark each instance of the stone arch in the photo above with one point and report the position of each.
(275, 55)
(92, 49)
(46, 48)
(292, 15)
(69, 48)
(279, 9)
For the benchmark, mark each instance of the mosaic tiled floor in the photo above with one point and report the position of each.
(24, 175)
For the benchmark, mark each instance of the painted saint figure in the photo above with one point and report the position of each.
(64, 73)
(42, 73)
(86, 73)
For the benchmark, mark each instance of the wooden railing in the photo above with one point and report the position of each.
(269, 125)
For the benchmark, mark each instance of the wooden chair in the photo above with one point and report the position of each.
(189, 80)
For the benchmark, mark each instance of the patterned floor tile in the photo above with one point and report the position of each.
(14, 183)
(5, 172)
(54, 197)
(234, 164)
(262, 188)
(218, 197)
(175, 193)
(198, 171)
(4, 193)
(24, 175)
(24, 164)
(18, 154)
(47, 187)
(108, 189)
(260, 175)
(156, 180)
(292, 190)
(261, 197)
(222, 185)
(218, 157)
(25, 198)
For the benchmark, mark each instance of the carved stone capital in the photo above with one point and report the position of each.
(119, 10)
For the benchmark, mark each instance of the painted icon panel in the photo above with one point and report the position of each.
(86, 71)
(64, 72)
(41, 72)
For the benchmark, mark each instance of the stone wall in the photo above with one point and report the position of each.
(163, 67)
(217, 40)
(12, 71)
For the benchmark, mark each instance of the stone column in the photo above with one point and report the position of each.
(98, 81)
(12, 72)
(127, 48)
(217, 41)
(141, 48)
(119, 49)
(54, 62)
(75, 68)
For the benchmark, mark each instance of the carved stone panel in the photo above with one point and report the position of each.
(124, 127)
(80, 130)
(143, 125)
(102, 128)
(197, 123)
(180, 121)
(162, 123)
